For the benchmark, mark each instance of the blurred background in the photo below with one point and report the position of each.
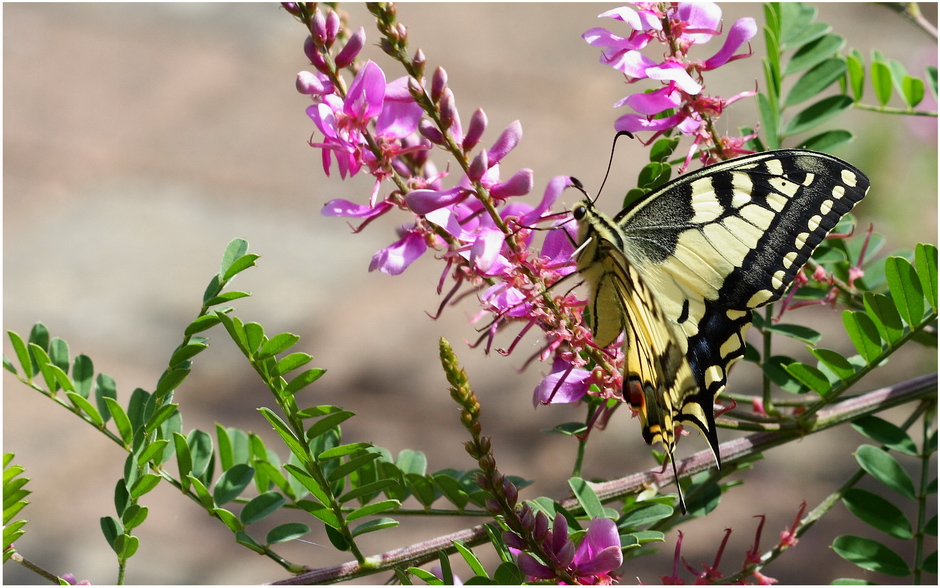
(139, 139)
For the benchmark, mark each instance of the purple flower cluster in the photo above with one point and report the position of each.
(592, 561)
(678, 103)
(476, 224)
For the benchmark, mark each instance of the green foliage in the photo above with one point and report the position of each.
(14, 500)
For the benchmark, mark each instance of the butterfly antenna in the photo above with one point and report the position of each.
(675, 474)
(610, 162)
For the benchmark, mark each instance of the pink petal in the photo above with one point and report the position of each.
(424, 201)
(485, 250)
(703, 17)
(518, 185)
(652, 102)
(741, 32)
(507, 140)
(636, 122)
(676, 73)
(340, 207)
(572, 389)
(366, 93)
(631, 63)
(396, 258)
(555, 187)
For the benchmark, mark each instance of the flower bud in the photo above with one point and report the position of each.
(528, 518)
(438, 84)
(318, 28)
(541, 526)
(292, 8)
(310, 84)
(313, 54)
(348, 54)
(493, 506)
(478, 166)
(475, 129)
(419, 61)
(448, 108)
(430, 132)
(332, 27)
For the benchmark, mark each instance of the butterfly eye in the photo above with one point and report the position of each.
(579, 212)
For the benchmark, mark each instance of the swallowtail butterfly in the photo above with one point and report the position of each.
(680, 270)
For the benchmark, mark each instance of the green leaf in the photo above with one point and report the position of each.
(931, 71)
(205, 322)
(241, 264)
(770, 121)
(352, 465)
(233, 251)
(202, 493)
(508, 574)
(886, 316)
(187, 352)
(341, 450)
(884, 468)
(374, 525)
(281, 428)
(870, 555)
(587, 498)
(878, 512)
(291, 362)
(243, 538)
(277, 344)
(22, 354)
(905, 289)
(811, 376)
(912, 90)
(261, 506)
(817, 79)
(327, 423)
(881, 81)
(229, 519)
(286, 532)
(144, 484)
(83, 374)
(925, 259)
(162, 414)
(818, 113)
(451, 489)
(835, 362)
(663, 149)
(864, 334)
(422, 487)
(200, 446)
(86, 407)
(827, 141)
(152, 451)
(226, 297)
(303, 380)
(813, 53)
(125, 546)
(856, 73)
(369, 489)
(232, 482)
(321, 512)
(889, 435)
(412, 462)
(644, 514)
(373, 508)
(799, 332)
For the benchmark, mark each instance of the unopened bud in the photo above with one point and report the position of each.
(308, 83)
(332, 27)
(448, 108)
(313, 54)
(419, 61)
(352, 48)
(541, 526)
(475, 129)
(438, 84)
(478, 166)
(318, 28)
(430, 132)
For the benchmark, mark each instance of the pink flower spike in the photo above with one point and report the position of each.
(366, 93)
(396, 258)
(741, 32)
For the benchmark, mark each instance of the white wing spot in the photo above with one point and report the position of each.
(809, 179)
(789, 259)
(849, 178)
(826, 207)
(774, 166)
(777, 280)
(813, 223)
(801, 240)
(714, 374)
(838, 192)
(776, 202)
